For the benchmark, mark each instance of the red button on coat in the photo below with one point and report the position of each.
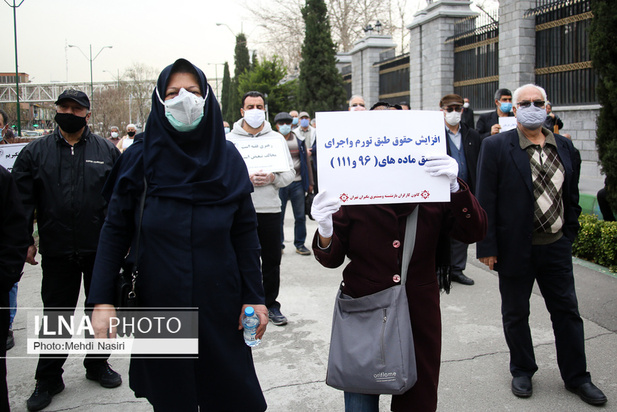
(396, 278)
(396, 244)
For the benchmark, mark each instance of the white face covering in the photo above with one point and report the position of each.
(466, 105)
(186, 107)
(254, 117)
(531, 117)
(453, 118)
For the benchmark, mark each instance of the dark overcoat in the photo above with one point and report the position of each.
(505, 190)
(203, 256)
(372, 236)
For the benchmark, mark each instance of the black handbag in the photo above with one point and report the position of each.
(125, 295)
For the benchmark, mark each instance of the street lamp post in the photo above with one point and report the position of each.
(117, 79)
(14, 7)
(216, 77)
(91, 59)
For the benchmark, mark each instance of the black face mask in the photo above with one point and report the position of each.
(70, 123)
(131, 134)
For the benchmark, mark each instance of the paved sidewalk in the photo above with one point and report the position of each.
(291, 361)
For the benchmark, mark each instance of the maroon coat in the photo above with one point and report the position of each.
(372, 237)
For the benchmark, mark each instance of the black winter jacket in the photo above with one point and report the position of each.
(13, 233)
(63, 183)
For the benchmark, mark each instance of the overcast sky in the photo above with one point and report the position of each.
(153, 32)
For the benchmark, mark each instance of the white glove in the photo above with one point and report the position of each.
(322, 210)
(444, 165)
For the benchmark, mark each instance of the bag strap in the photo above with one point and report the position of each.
(409, 242)
(135, 271)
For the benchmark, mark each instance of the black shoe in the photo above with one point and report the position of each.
(521, 386)
(10, 340)
(461, 278)
(43, 393)
(302, 250)
(277, 317)
(105, 375)
(589, 393)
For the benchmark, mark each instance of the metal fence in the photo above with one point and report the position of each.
(394, 78)
(476, 59)
(346, 73)
(563, 62)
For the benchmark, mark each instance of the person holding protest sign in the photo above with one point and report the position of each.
(266, 200)
(198, 247)
(372, 237)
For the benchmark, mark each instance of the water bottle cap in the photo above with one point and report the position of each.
(249, 311)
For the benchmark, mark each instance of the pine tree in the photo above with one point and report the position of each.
(226, 95)
(320, 83)
(266, 77)
(243, 64)
(603, 32)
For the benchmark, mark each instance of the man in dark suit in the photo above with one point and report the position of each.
(527, 185)
(463, 145)
(488, 123)
(467, 116)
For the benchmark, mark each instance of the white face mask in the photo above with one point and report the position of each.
(185, 110)
(466, 105)
(254, 117)
(531, 117)
(453, 118)
(114, 135)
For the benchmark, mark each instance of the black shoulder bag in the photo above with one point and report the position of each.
(125, 281)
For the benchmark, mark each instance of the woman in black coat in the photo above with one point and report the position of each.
(198, 247)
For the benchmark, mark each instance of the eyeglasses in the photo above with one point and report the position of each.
(527, 103)
(281, 122)
(455, 108)
(357, 104)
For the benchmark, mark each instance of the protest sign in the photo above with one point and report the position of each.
(268, 154)
(507, 123)
(8, 154)
(373, 157)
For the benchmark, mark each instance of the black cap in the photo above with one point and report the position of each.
(77, 96)
(282, 117)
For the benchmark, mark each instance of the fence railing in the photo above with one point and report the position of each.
(476, 60)
(563, 62)
(394, 78)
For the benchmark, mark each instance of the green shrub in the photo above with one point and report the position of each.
(596, 241)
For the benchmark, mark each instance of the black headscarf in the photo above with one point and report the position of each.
(198, 166)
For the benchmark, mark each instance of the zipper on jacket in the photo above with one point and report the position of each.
(383, 332)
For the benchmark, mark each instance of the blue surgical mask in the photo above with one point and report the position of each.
(284, 129)
(506, 107)
(304, 122)
(227, 130)
(294, 121)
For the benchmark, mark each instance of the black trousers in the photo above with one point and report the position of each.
(551, 267)
(60, 289)
(269, 233)
(458, 256)
(4, 332)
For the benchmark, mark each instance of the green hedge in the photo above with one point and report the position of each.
(597, 241)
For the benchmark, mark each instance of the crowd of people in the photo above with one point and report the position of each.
(210, 235)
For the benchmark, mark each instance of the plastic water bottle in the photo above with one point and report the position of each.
(250, 322)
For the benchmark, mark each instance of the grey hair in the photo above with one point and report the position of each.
(520, 89)
(354, 97)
